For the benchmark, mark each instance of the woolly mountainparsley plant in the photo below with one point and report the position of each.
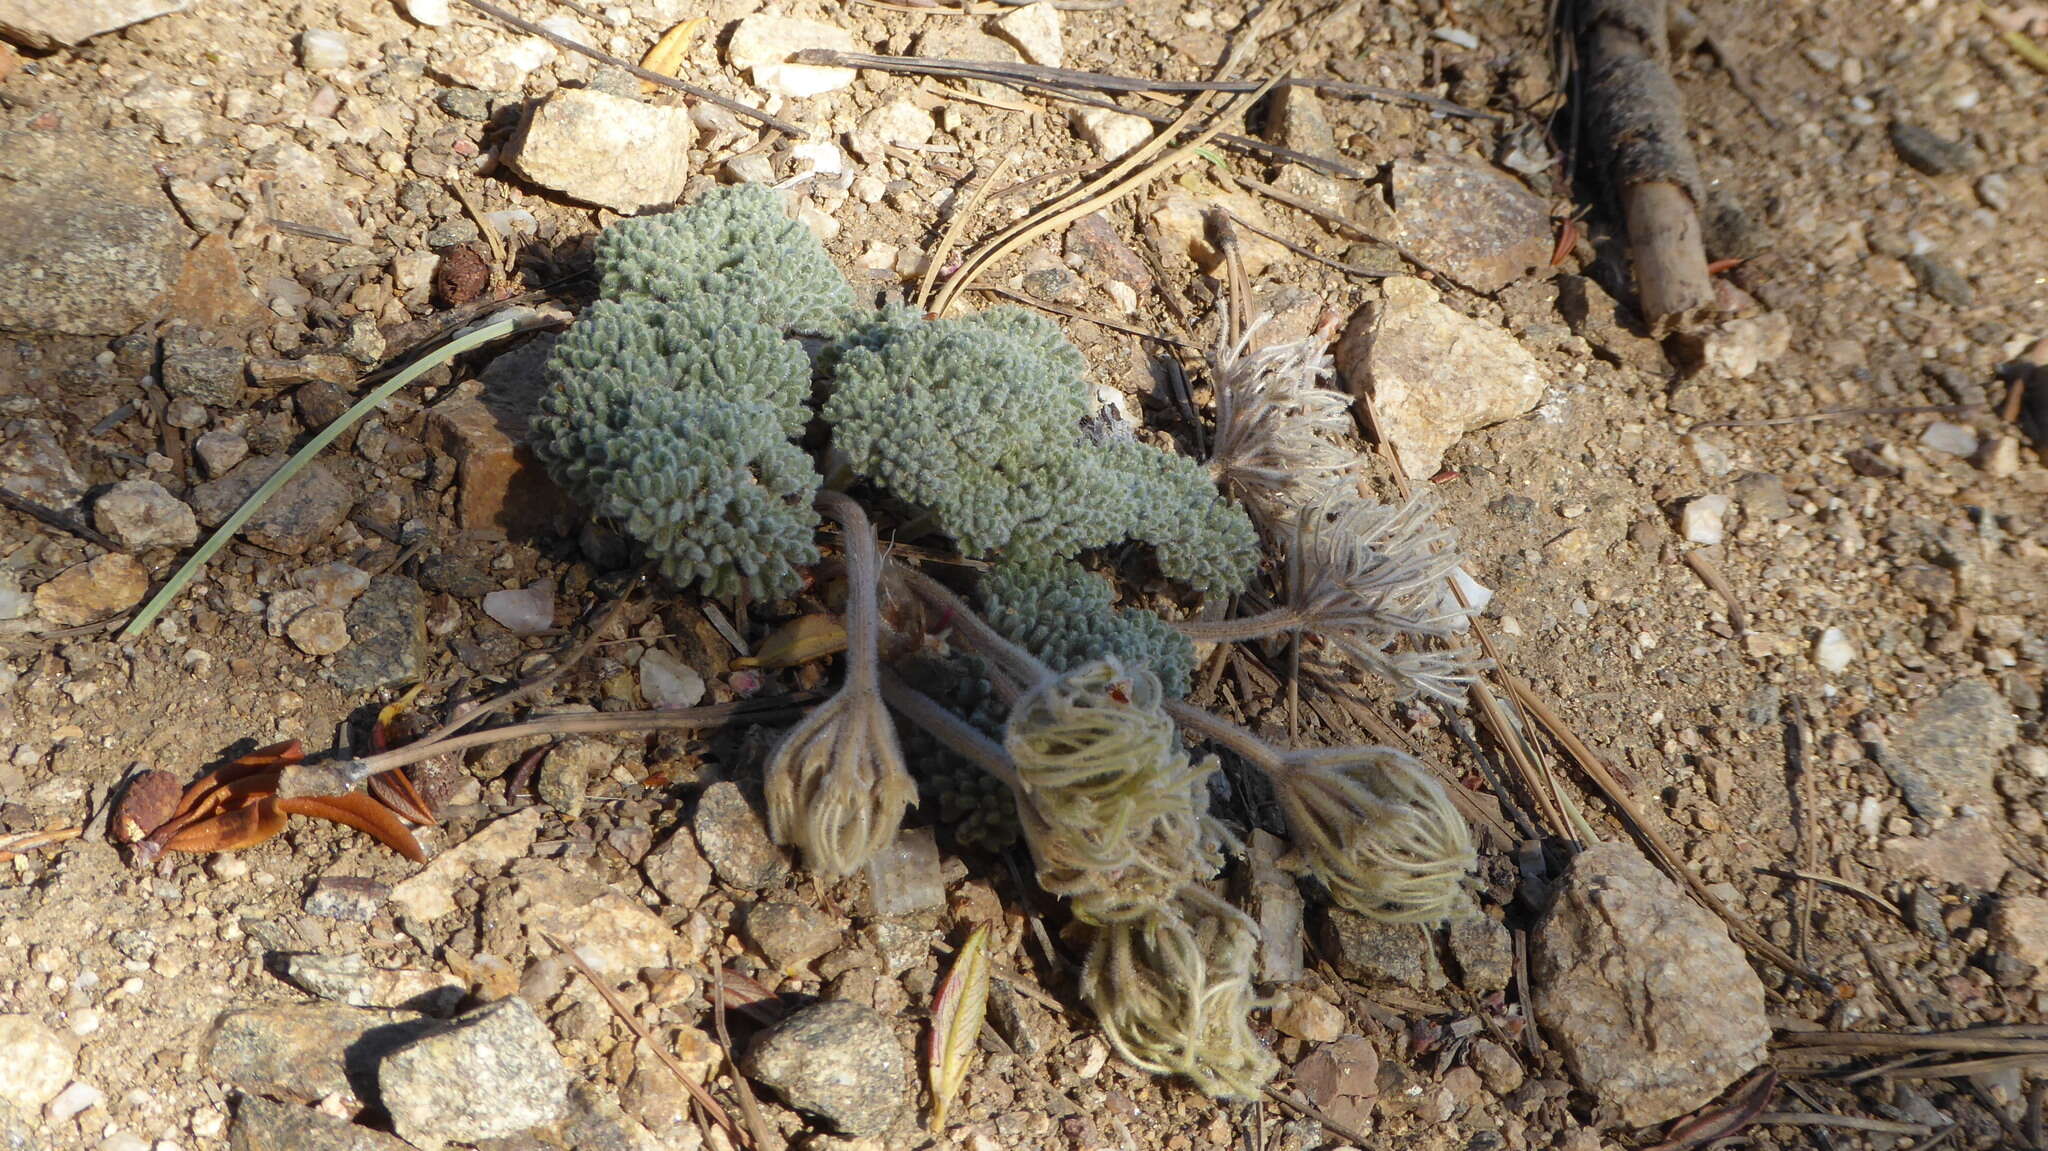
(723, 336)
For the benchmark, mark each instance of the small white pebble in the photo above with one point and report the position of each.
(1702, 520)
(321, 50)
(432, 13)
(1458, 36)
(524, 611)
(1952, 439)
(1834, 651)
(74, 1101)
(1999, 457)
(667, 682)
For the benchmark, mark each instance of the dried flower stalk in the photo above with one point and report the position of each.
(836, 784)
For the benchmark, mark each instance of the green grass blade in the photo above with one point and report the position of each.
(297, 463)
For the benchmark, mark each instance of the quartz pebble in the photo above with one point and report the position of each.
(667, 682)
(321, 50)
(1950, 439)
(762, 44)
(1834, 651)
(432, 13)
(1703, 520)
(524, 611)
(1112, 134)
(74, 1101)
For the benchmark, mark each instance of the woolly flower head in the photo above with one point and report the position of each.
(1378, 831)
(1173, 992)
(836, 784)
(1279, 432)
(1366, 575)
(1110, 802)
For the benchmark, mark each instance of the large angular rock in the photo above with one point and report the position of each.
(90, 240)
(837, 1060)
(609, 150)
(503, 487)
(302, 513)
(261, 1125)
(615, 935)
(1965, 852)
(307, 1052)
(1653, 1006)
(487, 1074)
(1476, 224)
(1433, 374)
(762, 44)
(91, 591)
(1948, 751)
(46, 27)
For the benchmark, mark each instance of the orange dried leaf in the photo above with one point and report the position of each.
(362, 813)
(957, 1013)
(245, 826)
(394, 790)
(666, 57)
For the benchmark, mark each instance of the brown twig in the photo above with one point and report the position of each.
(1042, 76)
(675, 719)
(1308, 1110)
(1839, 884)
(1799, 764)
(1362, 273)
(1844, 1122)
(1827, 414)
(652, 77)
(22, 842)
(998, 73)
(1031, 301)
(962, 214)
(750, 1110)
(1710, 574)
(58, 520)
(476, 214)
(1660, 851)
(696, 1090)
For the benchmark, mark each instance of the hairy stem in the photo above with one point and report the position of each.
(1261, 754)
(959, 736)
(341, 777)
(1014, 661)
(863, 578)
(1275, 621)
